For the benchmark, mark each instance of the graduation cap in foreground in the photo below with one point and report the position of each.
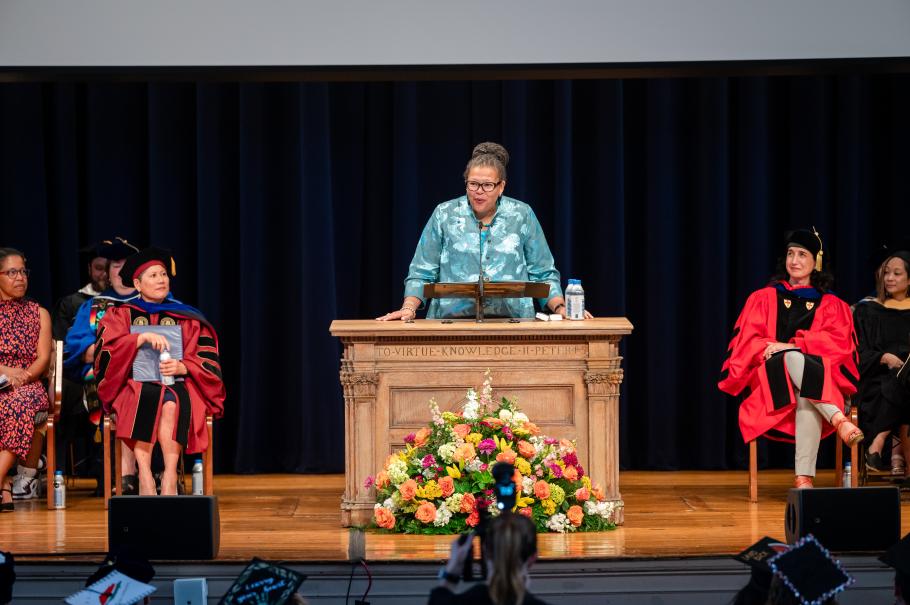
(263, 583)
(898, 556)
(116, 588)
(810, 572)
(757, 557)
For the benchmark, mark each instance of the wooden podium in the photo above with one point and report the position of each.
(565, 375)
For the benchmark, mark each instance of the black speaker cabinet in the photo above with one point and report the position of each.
(165, 527)
(846, 519)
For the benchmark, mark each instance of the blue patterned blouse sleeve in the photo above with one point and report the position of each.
(424, 268)
(541, 266)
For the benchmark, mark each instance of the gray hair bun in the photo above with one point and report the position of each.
(494, 149)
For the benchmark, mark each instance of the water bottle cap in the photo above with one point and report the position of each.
(847, 465)
(574, 281)
(58, 473)
(199, 460)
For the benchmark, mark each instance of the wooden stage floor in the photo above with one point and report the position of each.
(297, 518)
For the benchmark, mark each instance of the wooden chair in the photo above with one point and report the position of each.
(55, 395)
(108, 432)
(838, 459)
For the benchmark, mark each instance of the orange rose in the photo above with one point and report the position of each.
(493, 422)
(447, 485)
(575, 515)
(408, 490)
(384, 518)
(467, 503)
(422, 436)
(473, 519)
(464, 453)
(570, 473)
(507, 456)
(518, 479)
(426, 513)
(526, 449)
(462, 430)
(526, 511)
(582, 494)
(382, 480)
(532, 428)
(542, 490)
(598, 493)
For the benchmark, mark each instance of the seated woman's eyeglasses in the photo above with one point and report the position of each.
(487, 187)
(14, 273)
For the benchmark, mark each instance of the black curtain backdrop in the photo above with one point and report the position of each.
(288, 205)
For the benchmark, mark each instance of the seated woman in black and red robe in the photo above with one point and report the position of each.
(793, 358)
(883, 330)
(149, 412)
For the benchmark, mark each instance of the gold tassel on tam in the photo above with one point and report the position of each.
(821, 251)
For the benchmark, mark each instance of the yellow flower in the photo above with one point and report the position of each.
(474, 438)
(586, 481)
(449, 417)
(454, 473)
(549, 506)
(520, 431)
(430, 490)
(523, 466)
(523, 501)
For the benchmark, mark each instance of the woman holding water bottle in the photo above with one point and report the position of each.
(483, 233)
(171, 408)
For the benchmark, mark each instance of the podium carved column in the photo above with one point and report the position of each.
(602, 380)
(359, 426)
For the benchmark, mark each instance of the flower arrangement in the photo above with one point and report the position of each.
(441, 481)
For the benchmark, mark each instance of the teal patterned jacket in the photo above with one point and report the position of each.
(514, 249)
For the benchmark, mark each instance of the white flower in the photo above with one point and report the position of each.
(446, 451)
(474, 465)
(443, 516)
(560, 523)
(505, 415)
(604, 510)
(389, 504)
(527, 485)
(519, 417)
(398, 471)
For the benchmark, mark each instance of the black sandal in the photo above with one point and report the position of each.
(7, 507)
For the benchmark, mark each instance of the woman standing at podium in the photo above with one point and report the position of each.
(793, 357)
(484, 232)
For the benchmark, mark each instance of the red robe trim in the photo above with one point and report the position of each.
(118, 392)
(830, 337)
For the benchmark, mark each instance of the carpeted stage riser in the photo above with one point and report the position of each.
(693, 581)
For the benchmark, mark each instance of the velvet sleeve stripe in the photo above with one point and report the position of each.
(207, 341)
(849, 376)
(212, 368)
(210, 355)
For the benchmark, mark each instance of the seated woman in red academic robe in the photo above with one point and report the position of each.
(793, 357)
(153, 411)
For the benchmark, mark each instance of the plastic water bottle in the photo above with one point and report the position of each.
(197, 477)
(166, 380)
(848, 475)
(575, 300)
(59, 490)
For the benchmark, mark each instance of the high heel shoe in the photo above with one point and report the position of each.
(846, 430)
(803, 482)
(7, 507)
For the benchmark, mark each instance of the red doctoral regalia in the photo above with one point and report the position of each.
(138, 404)
(822, 328)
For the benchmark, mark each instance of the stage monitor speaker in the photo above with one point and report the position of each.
(165, 527)
(845, 519)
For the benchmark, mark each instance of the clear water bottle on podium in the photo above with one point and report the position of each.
(848, 475)
(59, 490)
(197, 477)
(575, 300)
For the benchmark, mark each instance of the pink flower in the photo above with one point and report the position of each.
(557, 472)
(582, 494)
(508, 433)
(550, 441)
(486, 446)
(369, 482)
(571, 459)
(409, 438)
(428, 461)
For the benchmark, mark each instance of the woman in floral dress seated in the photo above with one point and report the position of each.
(25, 353)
